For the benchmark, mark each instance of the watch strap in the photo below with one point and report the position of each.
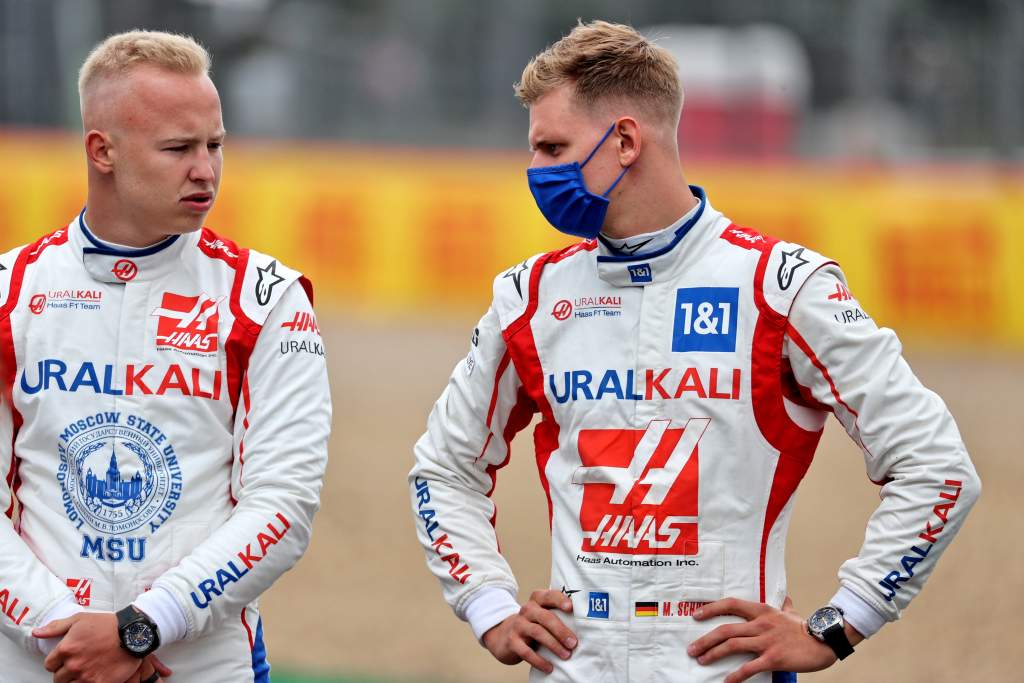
(125, 616)
(835, 638)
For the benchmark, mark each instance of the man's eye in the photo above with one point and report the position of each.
(551, 148)
(215, 145)
(176, 148)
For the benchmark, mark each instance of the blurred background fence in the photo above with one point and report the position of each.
(891, 79)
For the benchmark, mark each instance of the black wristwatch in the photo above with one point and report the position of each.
(827, 625)
(139, 635)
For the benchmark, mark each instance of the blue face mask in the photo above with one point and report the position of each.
(564, 199)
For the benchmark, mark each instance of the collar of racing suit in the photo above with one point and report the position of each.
(114, 263)
(657, 256)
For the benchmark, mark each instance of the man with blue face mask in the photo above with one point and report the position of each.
(562, 195)
(683, 368)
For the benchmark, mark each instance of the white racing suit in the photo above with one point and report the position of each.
(163, 429)
(681, 396)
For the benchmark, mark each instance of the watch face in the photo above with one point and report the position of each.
(138, 637)
(824, 618)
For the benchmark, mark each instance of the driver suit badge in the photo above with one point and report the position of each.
(119, 475)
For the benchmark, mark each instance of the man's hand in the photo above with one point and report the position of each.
(778, 637)
(513, 640)
(89, 650)
(151, 666)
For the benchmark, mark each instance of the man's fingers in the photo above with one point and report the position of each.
(146, 670)
(787, 604)
(542, 636)
(160, 667)
(53, 629)
(553, 599)
(555, 627)
(720, 635)
(749, 669)
(530, 656)
(731, 647)
(54, 660)
(64, 675)
(740, 608)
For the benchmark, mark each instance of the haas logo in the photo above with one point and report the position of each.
(188, 323)
(82, 589)
(749, 237)
(125, 270)
(37, 304)
(640, 489)
(562, 309)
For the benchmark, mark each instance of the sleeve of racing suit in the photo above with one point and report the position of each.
(30, 594)
(466, 442)
(281, 430)
(910, 442)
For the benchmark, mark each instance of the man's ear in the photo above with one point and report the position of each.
(99, 150)
(627, 140)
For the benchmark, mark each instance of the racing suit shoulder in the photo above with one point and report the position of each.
(782, 269)
(263, 284)
(511, 290)
(260, 280)
(14, 263)
(515, 289)
(782, 272)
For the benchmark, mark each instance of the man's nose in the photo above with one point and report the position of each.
(202, 168)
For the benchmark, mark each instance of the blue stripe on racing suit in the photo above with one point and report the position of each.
(260, 665)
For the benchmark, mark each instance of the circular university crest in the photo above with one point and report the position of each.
(115, 476)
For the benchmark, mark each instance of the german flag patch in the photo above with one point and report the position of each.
(646, 609)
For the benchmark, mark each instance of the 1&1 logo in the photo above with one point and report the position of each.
(117, 474)
(705, 319)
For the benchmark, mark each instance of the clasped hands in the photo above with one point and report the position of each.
(777, 638)
(90, 652)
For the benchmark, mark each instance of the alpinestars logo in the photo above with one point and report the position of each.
(640, 489)
(188, 323)
(791, 260)
(267, 280)
(516, 273)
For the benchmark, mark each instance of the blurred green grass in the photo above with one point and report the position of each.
(286, 676)
(294, 677)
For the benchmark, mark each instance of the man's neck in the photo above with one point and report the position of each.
(111, 227)
(659, 198)
(656, 241)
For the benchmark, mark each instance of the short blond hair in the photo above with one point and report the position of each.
(124, 51)
(606, 61)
